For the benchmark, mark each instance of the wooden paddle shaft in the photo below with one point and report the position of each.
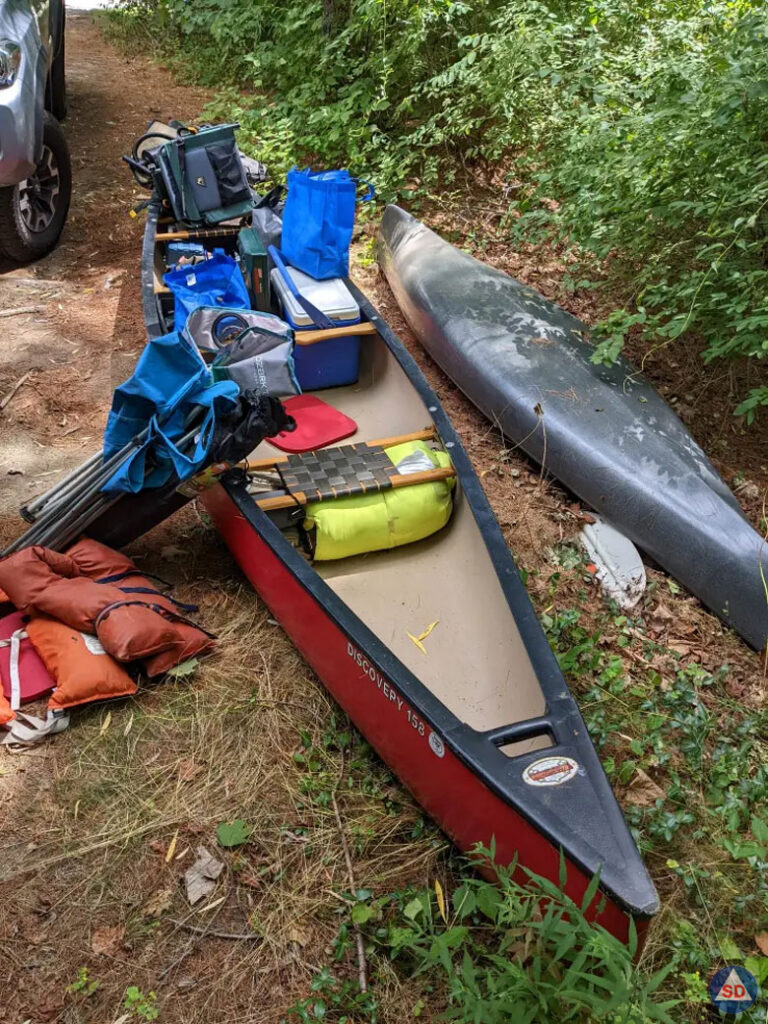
(399, 480)
(427, 434)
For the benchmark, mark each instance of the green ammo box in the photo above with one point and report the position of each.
(255, 266)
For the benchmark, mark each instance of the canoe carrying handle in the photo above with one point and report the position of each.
(526, 730)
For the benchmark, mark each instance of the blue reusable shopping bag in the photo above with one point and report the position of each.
(216, 281)
(318, 220)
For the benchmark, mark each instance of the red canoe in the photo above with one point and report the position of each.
(482, 730)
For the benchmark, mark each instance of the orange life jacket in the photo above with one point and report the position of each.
(93, 589)
(79, 664)
(88, 610)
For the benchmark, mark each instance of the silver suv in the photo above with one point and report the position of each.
(35, 170)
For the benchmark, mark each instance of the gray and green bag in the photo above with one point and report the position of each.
(252, 348)
(203, 175)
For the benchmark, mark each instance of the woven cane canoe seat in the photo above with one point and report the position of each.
(337, 472)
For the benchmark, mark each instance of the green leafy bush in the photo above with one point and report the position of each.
(495, 953)
(527, 953)
(633, 130)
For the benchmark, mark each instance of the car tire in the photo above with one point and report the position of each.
(56, 87)
(33, 213)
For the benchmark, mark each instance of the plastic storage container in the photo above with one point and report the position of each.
(328, 364)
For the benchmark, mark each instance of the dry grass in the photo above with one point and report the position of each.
(93, 817)
(87, 821)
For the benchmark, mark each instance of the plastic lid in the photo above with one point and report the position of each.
(331, 297)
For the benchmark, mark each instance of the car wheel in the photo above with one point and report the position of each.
(32, 213)
(56, 88)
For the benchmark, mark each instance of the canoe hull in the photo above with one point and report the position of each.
(411, 744)
(603, 431)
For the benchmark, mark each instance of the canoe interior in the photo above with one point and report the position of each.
(477, 664)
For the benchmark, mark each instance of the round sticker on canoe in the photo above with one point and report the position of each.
(550, 771)
(436, 745)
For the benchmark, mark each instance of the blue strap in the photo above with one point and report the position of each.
(370, 194)
(318, 318)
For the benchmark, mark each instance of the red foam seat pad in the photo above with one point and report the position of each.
(34, 679)
(317, 425)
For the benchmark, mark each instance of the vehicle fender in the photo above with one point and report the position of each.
(22, 104)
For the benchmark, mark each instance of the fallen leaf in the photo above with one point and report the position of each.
(172, 847)
(158, 903)
(105, 724)
(643, 791)
(233, 833)
(297, 935)
(680, 647)
(761, 941)
(661, 615)
(418, 643)
(735, 690)
(107, 941)
(200, 879)
(211, 906)
(428, 630)
(184, 669)
(128, 725)
(440, 900)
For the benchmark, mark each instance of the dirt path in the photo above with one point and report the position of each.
(86, 326)
(98, 828)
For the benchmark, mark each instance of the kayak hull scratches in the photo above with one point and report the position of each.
(603, 431)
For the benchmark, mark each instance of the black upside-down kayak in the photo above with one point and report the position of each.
(603, 431)
(479, 725)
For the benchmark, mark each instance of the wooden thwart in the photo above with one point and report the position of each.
(399, 480)
(351, 330)
(427, 434)
(277, 501)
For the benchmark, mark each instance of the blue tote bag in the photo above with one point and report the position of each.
(318, 220)
(216, 281)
